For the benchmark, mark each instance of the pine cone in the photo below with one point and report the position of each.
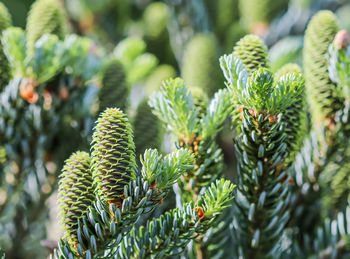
(320, 90)
(252, 52)
(113, 155)
(75, 193)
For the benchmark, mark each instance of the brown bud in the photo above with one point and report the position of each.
(200, 213)
(342, 39)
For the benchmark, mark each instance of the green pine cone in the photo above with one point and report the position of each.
(200, 65)
(114, 91)
(295, 115)
(321, 92)
(75, 193)
(252, 52)
(200, 98)
(113, 154)
(161, 73)
(147, 129)
(45, 16)
(5, 17)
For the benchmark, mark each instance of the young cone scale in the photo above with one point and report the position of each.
(320, 90)
(45, 16)
(200, 64)
(75, 193)
(113, 155)
(114, 91)
(252, 52)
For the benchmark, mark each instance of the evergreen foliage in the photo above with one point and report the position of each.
(295, 115)
(200, 63)
(261, 208)
(195, 123)
(122, 199)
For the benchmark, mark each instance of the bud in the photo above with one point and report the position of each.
(341, 40)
